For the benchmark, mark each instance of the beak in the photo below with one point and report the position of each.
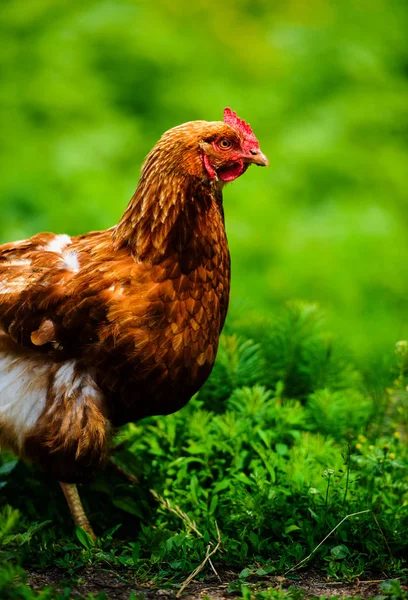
(256, 157)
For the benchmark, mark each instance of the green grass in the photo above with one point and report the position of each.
(285, 440)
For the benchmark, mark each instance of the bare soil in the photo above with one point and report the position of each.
(118, 586)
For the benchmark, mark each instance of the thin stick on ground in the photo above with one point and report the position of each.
(383, 536)
(302, 562)
(200, 567)
(214, 570)
(176, 510)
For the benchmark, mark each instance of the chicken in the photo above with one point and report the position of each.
(112, 326)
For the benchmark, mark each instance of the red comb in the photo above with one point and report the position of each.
(232, 119)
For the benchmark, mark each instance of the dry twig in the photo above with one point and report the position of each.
(176, 510)
(383, 536)
(302, 562)
(200, 567)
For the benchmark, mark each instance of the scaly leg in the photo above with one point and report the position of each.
(75, 506)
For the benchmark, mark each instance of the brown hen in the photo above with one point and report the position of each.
(112, 326)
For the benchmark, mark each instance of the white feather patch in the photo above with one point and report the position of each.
(71, 260)
(58, 244)
(23, 392)
(65, 380)
(69, 384)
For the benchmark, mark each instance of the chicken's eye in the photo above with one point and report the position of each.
(224, 144)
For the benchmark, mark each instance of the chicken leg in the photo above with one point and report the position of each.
(75, 506)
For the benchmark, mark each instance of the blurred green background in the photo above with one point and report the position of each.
(86, 89)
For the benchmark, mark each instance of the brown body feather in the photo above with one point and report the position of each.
(123, 323)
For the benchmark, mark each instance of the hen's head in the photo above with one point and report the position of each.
(217, 150)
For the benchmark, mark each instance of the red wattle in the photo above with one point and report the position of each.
(208, 167)
(232, 172)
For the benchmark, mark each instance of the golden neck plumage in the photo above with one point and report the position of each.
(168, 213)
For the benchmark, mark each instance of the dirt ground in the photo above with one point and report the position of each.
(117, 586)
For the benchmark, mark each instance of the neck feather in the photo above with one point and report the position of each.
(168, 213)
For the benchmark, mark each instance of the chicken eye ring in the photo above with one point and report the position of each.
(224, 144)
